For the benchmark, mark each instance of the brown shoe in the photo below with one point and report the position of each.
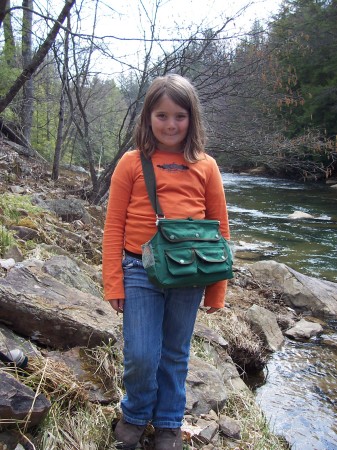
(127, 435)
(168, 438)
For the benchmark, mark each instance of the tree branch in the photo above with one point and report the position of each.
(38, 58)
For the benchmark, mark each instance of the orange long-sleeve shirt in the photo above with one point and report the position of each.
(184, 190)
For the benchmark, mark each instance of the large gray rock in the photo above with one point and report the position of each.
(68, 209)
(13, 252)
(34, 304)
(205, 389)
(217, 346)
(24, 233)
(68, 272)
(230, 375)
(301, 292)
(264, 324)
(93, 271)
(19, 402)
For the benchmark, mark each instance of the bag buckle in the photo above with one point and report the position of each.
(158, 217)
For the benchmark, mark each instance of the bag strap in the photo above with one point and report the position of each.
(151, 185)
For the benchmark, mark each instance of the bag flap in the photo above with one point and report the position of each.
(210, 255)
(181, 230)
(181, 256)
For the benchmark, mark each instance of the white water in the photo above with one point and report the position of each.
(258, 210)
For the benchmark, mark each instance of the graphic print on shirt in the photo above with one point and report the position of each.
(173, 167)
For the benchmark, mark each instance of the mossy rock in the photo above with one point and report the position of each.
(27, 222)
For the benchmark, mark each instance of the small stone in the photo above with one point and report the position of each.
(206, 430)
(229, 427)
(304, 330)
(300, 215)
(7, 264)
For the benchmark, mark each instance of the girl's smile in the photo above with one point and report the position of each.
(169, 123)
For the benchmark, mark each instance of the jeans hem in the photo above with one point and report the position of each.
(166, 424)
(133, 421)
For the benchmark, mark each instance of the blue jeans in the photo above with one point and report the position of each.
(157, 329)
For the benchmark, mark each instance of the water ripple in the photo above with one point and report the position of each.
(299, 394)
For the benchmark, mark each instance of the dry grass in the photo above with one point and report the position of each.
(73, 422)
(55, 379)
(107, 364)
(256, 433)
(80, 427)
(244, 346)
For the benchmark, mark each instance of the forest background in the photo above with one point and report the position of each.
(269, 94)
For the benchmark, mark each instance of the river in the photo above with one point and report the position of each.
(298, 389)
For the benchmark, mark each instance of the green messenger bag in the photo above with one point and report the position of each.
(184, 252)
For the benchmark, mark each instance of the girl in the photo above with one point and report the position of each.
(158, 323)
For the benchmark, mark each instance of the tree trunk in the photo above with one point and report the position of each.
(28, 87)
(9, 47)
(97, 195)
(3, 8)
(60, 127)
(38, 58)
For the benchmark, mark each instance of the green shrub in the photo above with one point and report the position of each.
(6, 240)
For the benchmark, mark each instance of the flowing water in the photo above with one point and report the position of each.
(298, 389)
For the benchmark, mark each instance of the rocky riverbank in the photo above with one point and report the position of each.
(51, 308)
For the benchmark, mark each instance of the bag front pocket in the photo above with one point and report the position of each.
(181, 262)
(212, 260)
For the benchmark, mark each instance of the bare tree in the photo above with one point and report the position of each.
(37, 59)
(79, 80)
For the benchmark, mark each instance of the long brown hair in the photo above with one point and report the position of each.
(183, 93)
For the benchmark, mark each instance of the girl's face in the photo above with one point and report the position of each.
(169, 123)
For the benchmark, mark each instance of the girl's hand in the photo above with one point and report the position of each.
(212, 310)
(117, 305)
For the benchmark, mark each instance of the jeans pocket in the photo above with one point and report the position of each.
(129, 262)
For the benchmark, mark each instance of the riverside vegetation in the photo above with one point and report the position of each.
(75, 420)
